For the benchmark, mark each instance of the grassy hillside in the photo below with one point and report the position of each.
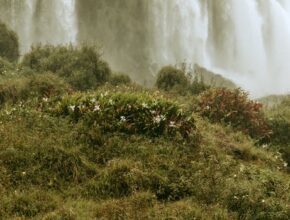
(114, 150)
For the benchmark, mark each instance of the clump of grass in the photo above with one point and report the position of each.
(27, 204)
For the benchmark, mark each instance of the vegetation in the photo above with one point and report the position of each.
(170, 78)
(120, 151)
(120, 79)
(9, 47)
(177, 80)
(279, 121)
(82, 67)
(235, 109)
(20, 88)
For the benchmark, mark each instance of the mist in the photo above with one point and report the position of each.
(245, 41)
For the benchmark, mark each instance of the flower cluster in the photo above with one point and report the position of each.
(129, 113)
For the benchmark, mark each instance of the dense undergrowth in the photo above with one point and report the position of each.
(114, 150)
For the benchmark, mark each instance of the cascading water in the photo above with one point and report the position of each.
(40, 21)
(245, 40)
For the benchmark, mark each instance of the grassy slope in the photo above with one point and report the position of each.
(49, 171)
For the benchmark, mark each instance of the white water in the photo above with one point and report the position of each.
(247, 41)
(40, 21)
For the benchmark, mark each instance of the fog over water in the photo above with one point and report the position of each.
(247, 41)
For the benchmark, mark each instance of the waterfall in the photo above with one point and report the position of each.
(40, 21)
(247, 41)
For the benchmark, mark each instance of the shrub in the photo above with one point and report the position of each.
(232, 107)
(24, 87)
(9, 47)
(47, 85)
(120, 79)
(82, 67)
(280, 131)
(128, 113)
(198, 86)
(5, 66)
(171, 78)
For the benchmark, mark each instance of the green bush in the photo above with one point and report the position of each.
(47, 85)
(128, 113)
(171, 78)
(9, 47)
(280, 127)
(232, 107)
(120, 79)
(82, 67)
(198, 86)
(5, 66)
(23, 87)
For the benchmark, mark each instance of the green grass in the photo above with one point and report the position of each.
(55, 167)
(120, 151)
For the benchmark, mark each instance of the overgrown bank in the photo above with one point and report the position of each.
(79, 142)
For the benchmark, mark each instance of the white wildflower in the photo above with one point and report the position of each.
(45, 99)
(263, 201)
(123, 119)
(111, 102)
(157, 119)
(235, 176)
(97, 108)
(235, 197)
(144, 105)
(72, 107)
(207, 107)
(172, 124)
(264, 146)
(285, 164)
(23, 173)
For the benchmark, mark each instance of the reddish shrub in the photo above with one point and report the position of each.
(232, 107)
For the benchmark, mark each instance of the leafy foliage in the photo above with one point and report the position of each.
(128, 113)
(235, 109)
(9, 47)
(5, 66)
(120, 79)
(82, 67)
(40, 86)
(198, 86)
(171, 78)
